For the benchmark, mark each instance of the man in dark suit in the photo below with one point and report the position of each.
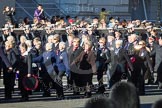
(9, 77)
(4, 58)
(73, 52)
(103, 56)
(55, 41)
(28, 33)
(119, 59)
(158, 61)
(7, 69)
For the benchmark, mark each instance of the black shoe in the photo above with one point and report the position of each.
(76, 93)
(150, 81)
(60, 97)
(159, 87)
(142, 93)
(46, 94)
(87, 94)
(101, 89)
(24, 99)
(8, 97)
(156, 82)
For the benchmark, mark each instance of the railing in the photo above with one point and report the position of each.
(100, 29)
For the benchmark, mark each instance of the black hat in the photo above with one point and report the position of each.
(30, 83)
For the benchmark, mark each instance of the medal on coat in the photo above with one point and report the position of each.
(142, 54)
(101, 54)
(61, 57)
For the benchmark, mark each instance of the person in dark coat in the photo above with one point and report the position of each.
(8, 74)
(9, 77)
(24, 71)
(28, 33)
(73, 52)
(5, 34)
(129, 46)
(9, 13)
(49, 75)
(36, 51)
(85, 65)
(4, 58)
(118, 64)
(102, 59)
(55, 41)
(110, 44)
(93, 37)
(158, 61)
(151, 45)
(141, 63)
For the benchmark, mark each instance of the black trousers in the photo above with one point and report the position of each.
(24, 93)
(137, 78)
(49, 83)
(81, 81)
(9, 82)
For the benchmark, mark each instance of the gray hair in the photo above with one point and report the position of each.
(49, 46)
(63, 44)
(120, 42)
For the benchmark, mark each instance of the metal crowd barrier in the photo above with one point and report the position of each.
(63, 30)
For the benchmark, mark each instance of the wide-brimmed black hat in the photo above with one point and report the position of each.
(30, 83)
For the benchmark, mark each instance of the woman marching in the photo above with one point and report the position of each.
(9, 76)
(49, 75)
(141, 63)
(86, 66)
(62, 61)
(24, 71)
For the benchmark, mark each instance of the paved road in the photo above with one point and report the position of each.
(70, 101)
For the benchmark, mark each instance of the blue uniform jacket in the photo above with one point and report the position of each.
(48, 60)
(63, 62)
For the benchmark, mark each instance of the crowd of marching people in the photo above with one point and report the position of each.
(79, 53)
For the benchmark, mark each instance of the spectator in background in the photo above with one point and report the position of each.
(103, 14)
(26, 21)
(158, 61)
(100, 102)
(39, 13)
(157, 104)
(124, 94)
(9, 13)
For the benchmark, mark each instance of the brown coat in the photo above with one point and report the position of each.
(83, 60)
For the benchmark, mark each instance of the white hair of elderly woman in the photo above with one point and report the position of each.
(119, 42)
(28, 43)
(49, 46)
(62, 45)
